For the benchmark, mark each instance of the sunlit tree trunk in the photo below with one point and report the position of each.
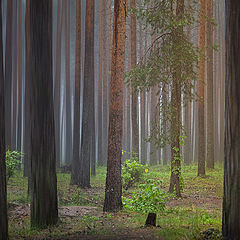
(113, 191)
(88, 120)
(3, 187)
(75, 176)
(201, 84)
(44, 210)
(231, 198)
(210, 130)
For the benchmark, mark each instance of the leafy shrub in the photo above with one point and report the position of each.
(13, 160)
(148, 198)
(132, 172)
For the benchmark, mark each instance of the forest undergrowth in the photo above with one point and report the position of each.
(81, 215)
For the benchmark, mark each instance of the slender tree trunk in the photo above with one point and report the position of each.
(88, 120)
(176, 114)
(57, 82)
(27, 152)
(134, 115)
(75, 176)
(8, 74)
(3, 187)
(113, 191)
(68, 86)
(100, 85)
(201, 125)
(210, 133)
(44, 210)
(231, 198)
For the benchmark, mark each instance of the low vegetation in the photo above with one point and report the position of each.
(197, 215)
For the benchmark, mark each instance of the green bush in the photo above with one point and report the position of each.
(13, 160)
(132, 172)
(149, 198)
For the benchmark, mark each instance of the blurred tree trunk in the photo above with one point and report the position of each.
(44, 210)
(8, 74)
(88, 121)
(201, 85)
(14, 77)
(68, 86)
(113, 191)
(57, 82)
(20, 55)
(210, 131)
(134, 115)
(3, 187)
(75, 175)
(27, 134)
(231, 198)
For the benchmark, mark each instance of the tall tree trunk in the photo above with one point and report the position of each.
(113, 191)
(14, 77)
(57, 82)
(88, 113)
(210, 130)
(19, 115)
(134, 115)
(8, 74)
(231, 198)
(27, 135)
(44, 210)
(176, 114)
(100, 85)
(201, 84)
(3, 187)
(68, 86)
(75, 176)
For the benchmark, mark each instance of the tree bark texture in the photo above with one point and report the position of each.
(44, 210)
(113, 191)
(231, 199)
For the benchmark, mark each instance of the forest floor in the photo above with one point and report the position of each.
(81, 215)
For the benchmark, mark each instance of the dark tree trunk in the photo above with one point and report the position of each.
(231, 198)
(88, 120)
(8, 73)
(44, 210)
(3, 187)
(113, 191)
(151, 219)
(75, 176)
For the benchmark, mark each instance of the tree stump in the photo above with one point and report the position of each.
(151, 219)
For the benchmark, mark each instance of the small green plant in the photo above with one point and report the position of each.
(132, 171)
(13, 160)
(149, 198)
